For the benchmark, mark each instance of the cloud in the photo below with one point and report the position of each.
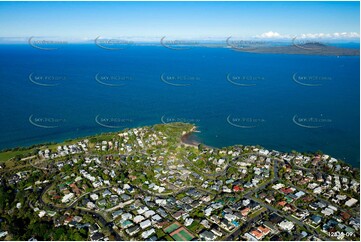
(271, 34)
(343, 35)
(336, 35)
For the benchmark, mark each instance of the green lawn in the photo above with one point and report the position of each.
(194, 226)
(256, 213)
(4, 156)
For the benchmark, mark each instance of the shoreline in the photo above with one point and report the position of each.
(185, 139)
(188, 141)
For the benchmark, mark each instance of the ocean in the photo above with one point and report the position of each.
(282, 102)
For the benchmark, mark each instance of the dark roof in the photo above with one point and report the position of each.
(133, 228)
(153, 238)
(275, 219)
(97, 236)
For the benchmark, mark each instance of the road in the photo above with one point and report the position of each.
(249, 194)
(352, 210)
(103, 221)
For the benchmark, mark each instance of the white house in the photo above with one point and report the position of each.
(351, 202)
(145, 224)
(147, 233)
(286, 225)
(67, 197)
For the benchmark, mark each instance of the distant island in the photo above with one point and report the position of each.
(304, 49)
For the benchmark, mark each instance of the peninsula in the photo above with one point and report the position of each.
(149, 183)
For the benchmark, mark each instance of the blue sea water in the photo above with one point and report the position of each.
(64, 96)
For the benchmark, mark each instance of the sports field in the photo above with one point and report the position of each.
(172, 227)
(181, 234)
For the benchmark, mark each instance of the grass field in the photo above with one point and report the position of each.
(7, 156)
(4, 156)
(256, 213)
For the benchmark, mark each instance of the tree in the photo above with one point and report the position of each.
(159, 233)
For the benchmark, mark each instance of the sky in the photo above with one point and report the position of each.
(193, 20)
